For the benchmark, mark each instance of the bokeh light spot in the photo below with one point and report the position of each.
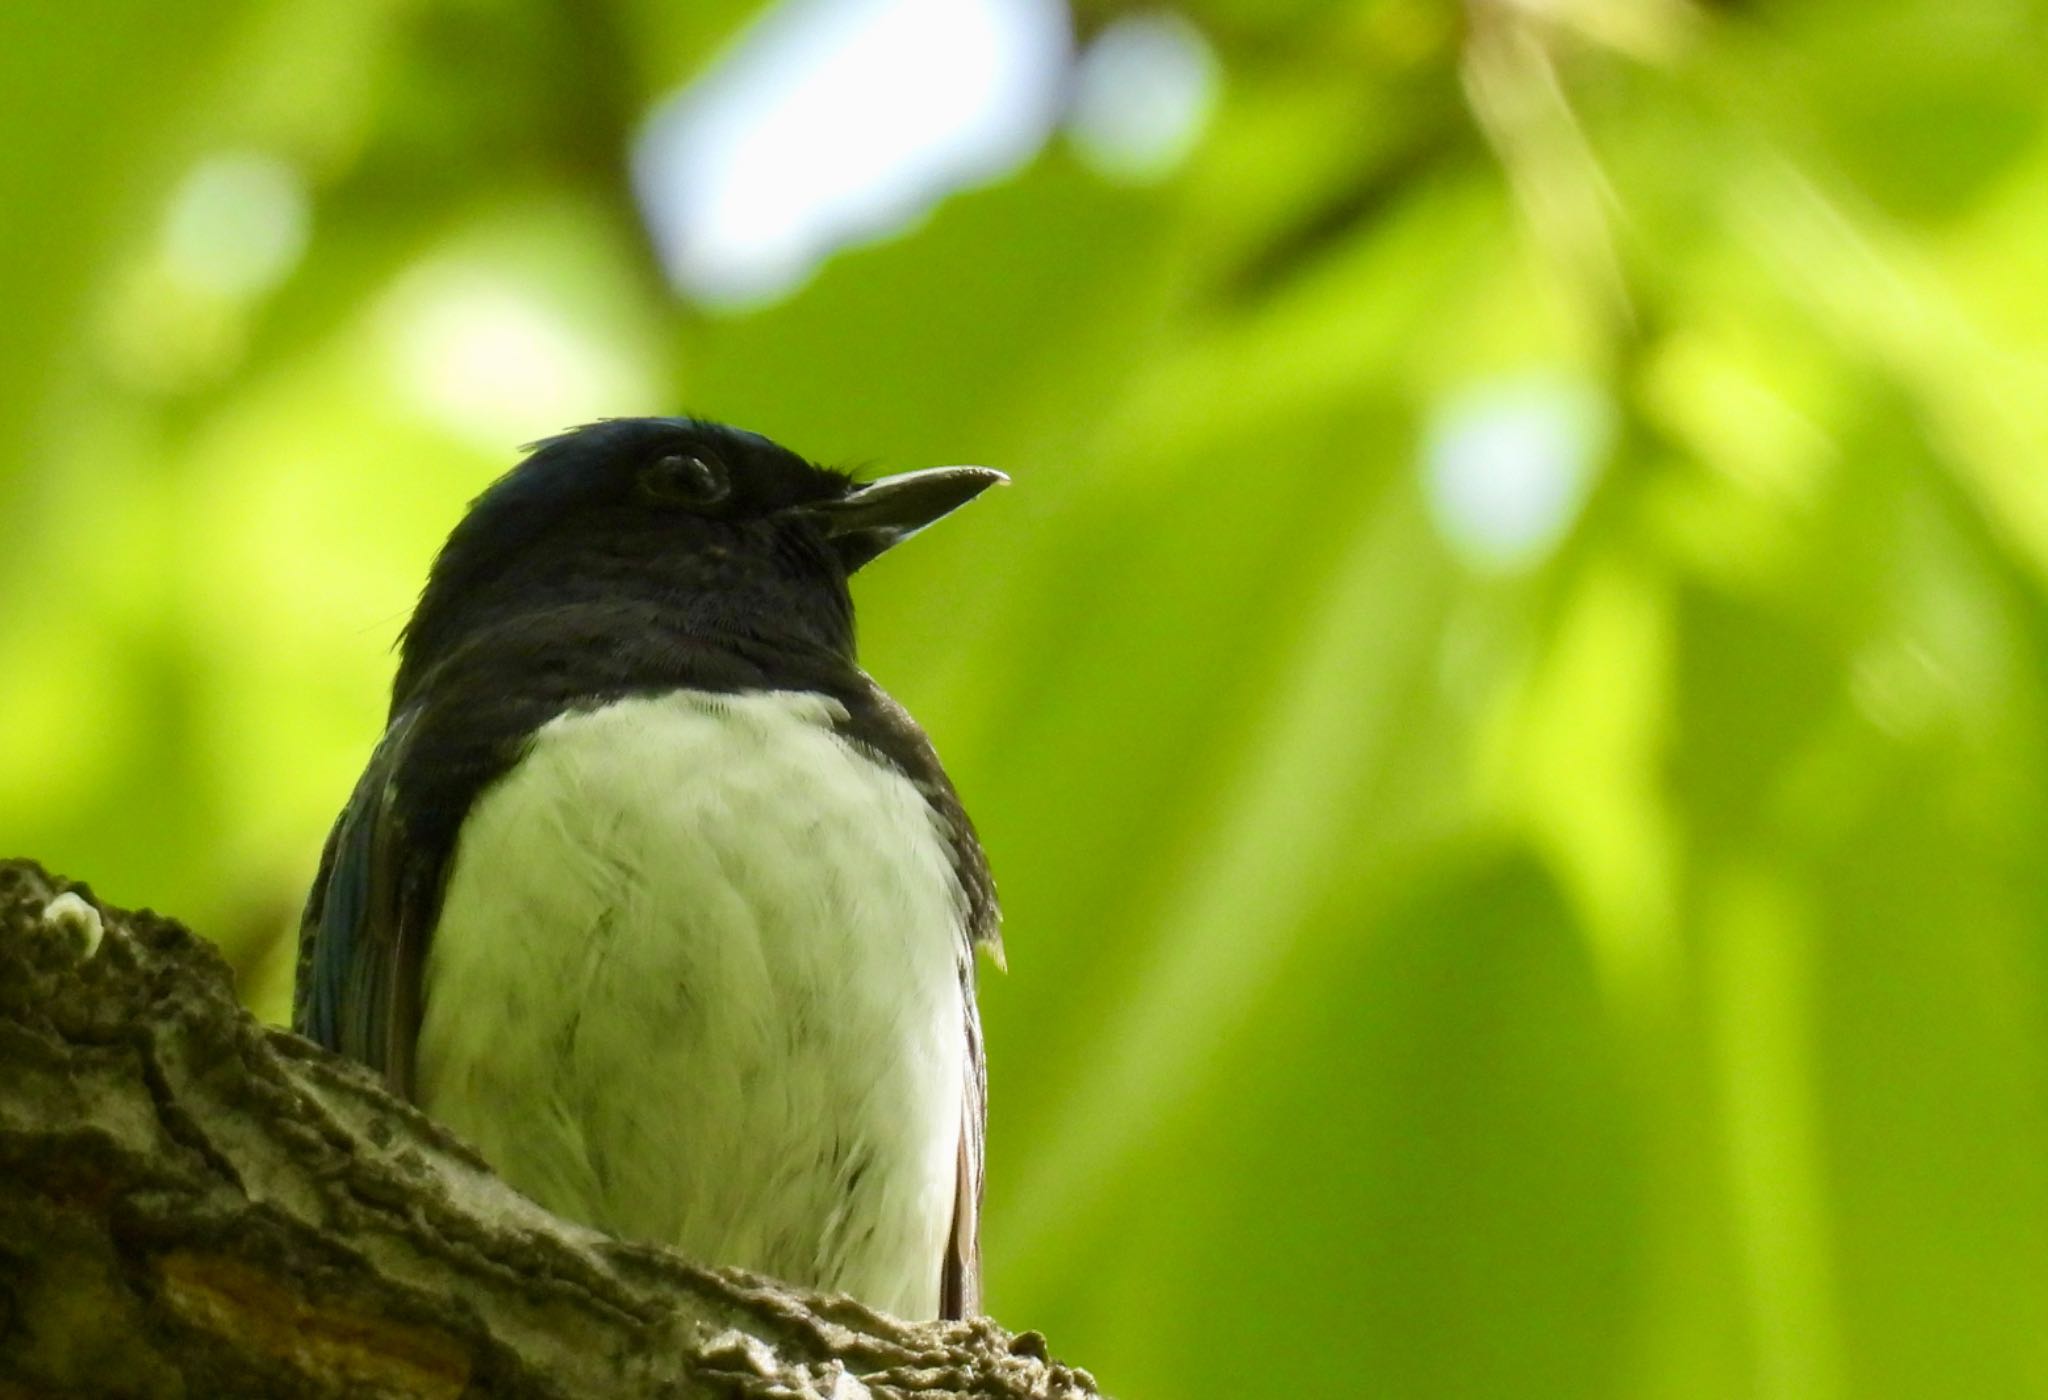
(1143, 92)
(1507, 464)
(830, 123)
(498, 364)
(237, 225)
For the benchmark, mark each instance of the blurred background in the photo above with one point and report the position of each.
(1507, 700)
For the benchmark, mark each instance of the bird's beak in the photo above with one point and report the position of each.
(879, 514)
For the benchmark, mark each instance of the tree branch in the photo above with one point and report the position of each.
(192, 1203)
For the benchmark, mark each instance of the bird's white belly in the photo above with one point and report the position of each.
(697, 979)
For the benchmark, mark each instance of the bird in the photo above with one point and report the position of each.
(651, 893)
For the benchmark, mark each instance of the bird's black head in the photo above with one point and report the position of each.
(725, 532)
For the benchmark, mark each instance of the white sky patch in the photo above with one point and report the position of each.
(499, 364)
(237, 224)
(1507, 465)
(1142, 95)
(834, 121)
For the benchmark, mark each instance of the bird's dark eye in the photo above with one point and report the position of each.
(693, 479)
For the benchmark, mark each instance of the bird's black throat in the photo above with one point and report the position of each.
(621, 599)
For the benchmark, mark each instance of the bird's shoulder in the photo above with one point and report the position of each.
(880, 726)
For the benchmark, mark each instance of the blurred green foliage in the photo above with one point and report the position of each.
(1608, 969)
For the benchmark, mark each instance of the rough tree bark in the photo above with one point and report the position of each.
(194, 1204)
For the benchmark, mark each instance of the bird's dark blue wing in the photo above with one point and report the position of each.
(960, 1268)
(360, 941)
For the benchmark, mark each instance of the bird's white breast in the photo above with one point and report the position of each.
(697, 980)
